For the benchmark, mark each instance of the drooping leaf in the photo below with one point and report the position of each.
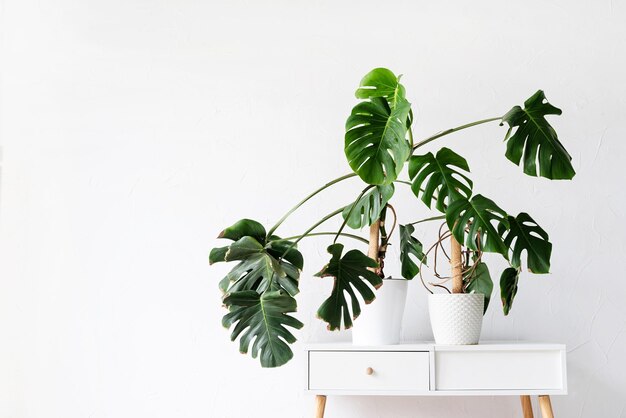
(242, 228)
(524, 234)
(375, 142)
(442, 174)
(217, 255)
(350, 273)
(508, 287)
(367, 209)
(409, 245)
(535, 140)
(261, 267)
(259, 270)
(263, 318)
(479, 281)
(278, 248)
(478, 215)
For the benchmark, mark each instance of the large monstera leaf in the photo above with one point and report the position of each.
(524, 234)
(535, 140)
(262, 264)
(478, 280)
(375, 142)
(350, 273)
(366, 210)
(508, 287)
(263, 318)
(440, 173)
(259, 290)
(410, 246)
(478, 215)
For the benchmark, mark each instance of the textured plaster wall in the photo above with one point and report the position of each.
(133, 131)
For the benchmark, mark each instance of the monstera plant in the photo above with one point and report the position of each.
(260, 290)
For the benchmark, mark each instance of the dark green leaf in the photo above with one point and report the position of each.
(444, 177)
(260, 267)
(263, 318)
(410, 245)
(243, 248)
(524, 234)
(375, 140)
(479, 281)
(217, 255)
(367, 209)
(535, 140)
(244, 227)
(349, 272)
(508, 287)
(478, 215)
(277, 248)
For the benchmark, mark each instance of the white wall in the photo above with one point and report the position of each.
(134, 131)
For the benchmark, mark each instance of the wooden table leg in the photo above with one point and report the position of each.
(546, 406)
(320, 405)
(527, 406)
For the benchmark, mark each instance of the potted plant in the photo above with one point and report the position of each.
(259, 292)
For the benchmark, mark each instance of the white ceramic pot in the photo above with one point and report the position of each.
(380, 322)
(456, 319)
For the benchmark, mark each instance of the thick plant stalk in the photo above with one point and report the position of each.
(456, 265)
(372, 252)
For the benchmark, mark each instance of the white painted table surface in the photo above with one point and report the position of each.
(428, 369)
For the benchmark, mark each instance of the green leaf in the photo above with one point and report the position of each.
(375, 140)
(367, 209)
(535, 140)
(524, 234)
(410, 245)
(349, 272)
(261, 267)
(478, 215)
(277, 248)
(479, 281)
(258, 269)
(242, 228)
(263, 318)
(508, 287)
(380, 82)
(243, 248)
(217, 255)
(444, 177)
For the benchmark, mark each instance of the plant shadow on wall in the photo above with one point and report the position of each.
(259, 292)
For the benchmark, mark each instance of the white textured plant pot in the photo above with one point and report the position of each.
(380, 322)
(456, 319)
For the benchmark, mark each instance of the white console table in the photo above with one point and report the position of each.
(426, 369)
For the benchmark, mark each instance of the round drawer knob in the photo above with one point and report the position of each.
(369, 371)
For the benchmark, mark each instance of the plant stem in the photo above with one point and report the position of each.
(315, 234)
(303, 201)
(305, 233)
(456, 265)
(434, 218)
(451, 130)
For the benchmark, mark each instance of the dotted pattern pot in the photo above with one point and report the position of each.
(456, 319)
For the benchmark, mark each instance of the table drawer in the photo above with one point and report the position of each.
(348, 370)
(499, 370)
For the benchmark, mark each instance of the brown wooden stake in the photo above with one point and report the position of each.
(372, 252)
(456, 265)
(527, 406)
(320, 405)
(546, 406)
